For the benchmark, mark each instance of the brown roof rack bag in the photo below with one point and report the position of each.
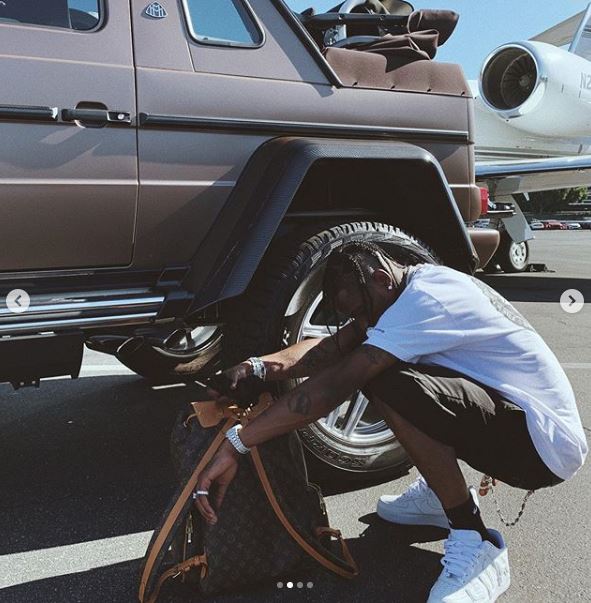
(403, 61)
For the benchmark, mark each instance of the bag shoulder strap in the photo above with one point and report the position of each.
(172, 517)
(349, 571)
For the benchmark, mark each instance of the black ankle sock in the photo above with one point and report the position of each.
(467, 517)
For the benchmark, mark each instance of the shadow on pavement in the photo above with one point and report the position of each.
(535, 288)
(333, 484)
(92, 463)
(113, 583)
(391, 570)
(88, 459)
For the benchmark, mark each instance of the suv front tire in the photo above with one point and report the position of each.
(282, 306)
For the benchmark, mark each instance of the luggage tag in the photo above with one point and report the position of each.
(209, 413)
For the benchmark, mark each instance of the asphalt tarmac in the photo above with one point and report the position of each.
(85, 474)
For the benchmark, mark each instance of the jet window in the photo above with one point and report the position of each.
(583, 48)
(581, 43)
(81, 15)
(223, 22)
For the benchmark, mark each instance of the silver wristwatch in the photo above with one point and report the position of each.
(232, 435)
(258, 367)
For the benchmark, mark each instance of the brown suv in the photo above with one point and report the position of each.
(174, 174)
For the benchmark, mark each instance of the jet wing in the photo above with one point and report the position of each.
(563, 33)
(509, 178)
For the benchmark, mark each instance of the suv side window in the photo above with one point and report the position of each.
(81, 15)
(223, 22)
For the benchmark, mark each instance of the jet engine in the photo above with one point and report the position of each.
(538, 88)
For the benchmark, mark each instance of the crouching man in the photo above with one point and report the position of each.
(457, 373)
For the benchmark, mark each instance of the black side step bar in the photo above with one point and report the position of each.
(86, 309)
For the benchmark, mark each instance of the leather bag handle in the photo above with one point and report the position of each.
(176, 511)
(351, 569)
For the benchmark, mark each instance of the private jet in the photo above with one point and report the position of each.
(533, 125)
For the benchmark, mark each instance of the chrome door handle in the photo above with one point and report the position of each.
(96, 116)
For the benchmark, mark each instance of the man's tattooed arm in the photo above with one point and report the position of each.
(319, 395)
(320, 356)
(309, 357)
(299, 403)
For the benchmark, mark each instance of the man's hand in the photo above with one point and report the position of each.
(238, 372)
(218, 474)
(234, 374)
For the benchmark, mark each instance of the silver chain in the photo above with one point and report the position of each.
(486, 486)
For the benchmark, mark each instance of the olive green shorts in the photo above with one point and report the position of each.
(486, 431)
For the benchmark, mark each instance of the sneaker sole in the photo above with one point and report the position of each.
(502, 589)
(507, 582)
(413, 519)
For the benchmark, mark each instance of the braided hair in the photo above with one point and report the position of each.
(351, 259)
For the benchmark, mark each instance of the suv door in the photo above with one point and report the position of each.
(68, 169)
(202, 68)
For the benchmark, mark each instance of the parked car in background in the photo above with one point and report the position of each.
(536, 225)
(573, 225)
(585, 224)
(554, 225)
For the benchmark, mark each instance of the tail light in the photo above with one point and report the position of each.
(483, 201)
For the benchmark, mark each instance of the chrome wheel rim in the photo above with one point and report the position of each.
(518, 253)
(192, 340)
(354, 422)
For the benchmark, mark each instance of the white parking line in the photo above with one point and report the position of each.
(20, 568)
(105, 368)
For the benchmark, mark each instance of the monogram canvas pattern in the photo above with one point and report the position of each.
(248, 544)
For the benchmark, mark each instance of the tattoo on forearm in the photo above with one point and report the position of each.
(317, 358)
(299, 403)
(375, 355)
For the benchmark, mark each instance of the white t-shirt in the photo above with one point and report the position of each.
(446, 318)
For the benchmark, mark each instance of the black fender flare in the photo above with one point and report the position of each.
(229, 255)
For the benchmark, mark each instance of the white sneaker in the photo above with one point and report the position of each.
(419, 505)
(474, 571)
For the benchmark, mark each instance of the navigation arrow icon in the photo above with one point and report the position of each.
(572, 301)
(18, 301)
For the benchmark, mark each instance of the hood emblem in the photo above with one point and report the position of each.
(156, 11)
